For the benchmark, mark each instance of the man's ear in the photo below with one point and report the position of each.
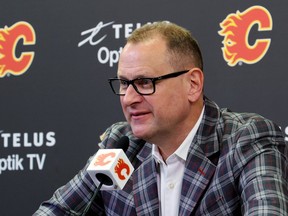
(196, 84)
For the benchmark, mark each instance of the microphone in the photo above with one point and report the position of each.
(110, 169)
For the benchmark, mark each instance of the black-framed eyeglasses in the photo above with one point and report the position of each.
(143, 86)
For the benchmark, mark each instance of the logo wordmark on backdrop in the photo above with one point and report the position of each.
(98, 34)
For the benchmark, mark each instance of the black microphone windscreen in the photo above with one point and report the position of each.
(123, 143)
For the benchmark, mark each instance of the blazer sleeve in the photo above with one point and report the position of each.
(261, 159)
(72, 198)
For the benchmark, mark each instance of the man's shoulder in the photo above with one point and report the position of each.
(244, 120)
(250, 132)
(240, 127)
(229, 122)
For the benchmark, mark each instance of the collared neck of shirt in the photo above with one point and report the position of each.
(183, 149)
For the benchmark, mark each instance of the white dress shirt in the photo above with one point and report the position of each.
(171, 173)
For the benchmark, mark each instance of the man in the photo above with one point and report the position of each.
(190, 157)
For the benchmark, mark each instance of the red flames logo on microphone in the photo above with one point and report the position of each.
(121, 165)
(104, 159)
(236, 29)
(9, 38)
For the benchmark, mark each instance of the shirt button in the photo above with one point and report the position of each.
(171, 186)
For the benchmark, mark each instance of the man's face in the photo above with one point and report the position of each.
(153, 117)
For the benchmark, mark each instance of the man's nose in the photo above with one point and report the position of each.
(131, 96)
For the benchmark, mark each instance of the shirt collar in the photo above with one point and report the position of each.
(183, 149)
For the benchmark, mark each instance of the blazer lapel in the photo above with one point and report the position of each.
(201, 160)
(145, 185)
(198, 173)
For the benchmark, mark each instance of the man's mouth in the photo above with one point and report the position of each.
(138, 115)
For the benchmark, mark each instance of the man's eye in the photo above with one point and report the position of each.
(123, 83)
(143, 82)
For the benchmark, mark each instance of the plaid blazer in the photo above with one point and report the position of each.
(237, 165)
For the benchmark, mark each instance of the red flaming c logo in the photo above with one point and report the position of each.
(9, 38)
(121, 165)
(236, 29)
